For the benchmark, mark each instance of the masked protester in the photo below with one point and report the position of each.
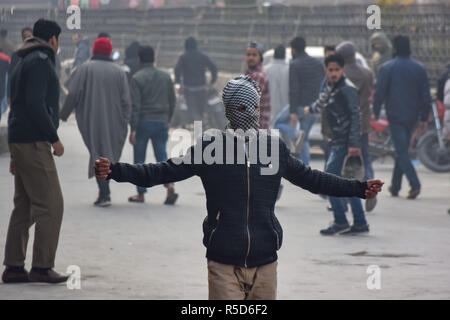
(241, 232)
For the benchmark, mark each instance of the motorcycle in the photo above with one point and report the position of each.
(433, 151)
(426, 144)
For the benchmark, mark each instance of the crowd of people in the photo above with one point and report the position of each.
(107, 98)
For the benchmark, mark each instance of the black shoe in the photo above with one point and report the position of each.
(171, 198)
(335, 229)
(357, 229)
(394, 194)
(46, 275)
(15, 275)
(103, 202)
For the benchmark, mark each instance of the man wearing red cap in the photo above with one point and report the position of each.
(99, 94)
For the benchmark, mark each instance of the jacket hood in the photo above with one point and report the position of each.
(32, 44)
(381, 38)
(347, 50)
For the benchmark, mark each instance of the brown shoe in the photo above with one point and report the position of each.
(413, 194)
(15, 275)
(47, 276)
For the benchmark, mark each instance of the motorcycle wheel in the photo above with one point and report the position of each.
(429, 154)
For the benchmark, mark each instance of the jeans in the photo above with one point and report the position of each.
(368, 168)
(197, 102)
(306, 123)
(103, 187)
(334, 165)
(158, 132)
(282, 124)
(401, 137)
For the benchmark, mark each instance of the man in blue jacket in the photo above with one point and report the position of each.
(403, 87)
(241, 233)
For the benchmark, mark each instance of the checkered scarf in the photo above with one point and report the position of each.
(241, 91)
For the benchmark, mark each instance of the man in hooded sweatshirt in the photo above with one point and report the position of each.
(100, 95)
(190, 72)
(363, 80)
(241, 233)
(32, 133)
(381, 51)
(403, 88)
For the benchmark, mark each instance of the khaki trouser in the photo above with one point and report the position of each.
(37, 200)
(228, 282)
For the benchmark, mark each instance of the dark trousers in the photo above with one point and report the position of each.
(401, 137)
(38, 201)
(158, 133)
(103, 187)
(197, 102)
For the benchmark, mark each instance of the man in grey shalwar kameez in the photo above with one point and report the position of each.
(99, 94)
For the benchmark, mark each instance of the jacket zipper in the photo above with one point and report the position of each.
(248, 210)
(212, 232)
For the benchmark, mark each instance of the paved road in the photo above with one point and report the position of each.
(152, 251)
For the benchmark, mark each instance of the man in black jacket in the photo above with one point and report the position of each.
(339, 99)
(305, 77)
(241, 233)
(32, 132)
(190, 72)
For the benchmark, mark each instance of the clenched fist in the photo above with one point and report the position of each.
(373, 187)
(102, 168)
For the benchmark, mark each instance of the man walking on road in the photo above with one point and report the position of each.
(241, 232)
(190, 72)
(402, 85)
(32, 132)
(254, 60)
(278, 74)
(153, 103)
(340, 101)
(100, 96)
(305, 77)
(363, 80)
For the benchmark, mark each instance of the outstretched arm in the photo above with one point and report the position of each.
(320, 182)
(146, 175)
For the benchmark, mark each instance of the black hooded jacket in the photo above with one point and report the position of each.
(192, 65)
(34, 95)
(241, 228)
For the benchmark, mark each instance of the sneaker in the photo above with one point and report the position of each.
(298, 144)
(136, 199)
(103, 202)
(46, 275)
(413, 194)
(356, 229)
(394, 194)
(370, 204)
(15, 275)
(335, 229)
